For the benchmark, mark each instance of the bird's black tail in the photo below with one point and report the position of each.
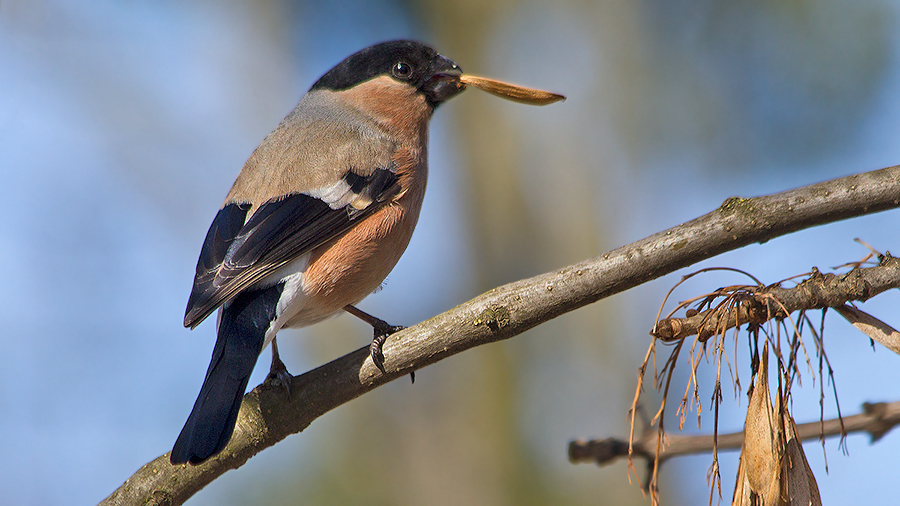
(241, 335)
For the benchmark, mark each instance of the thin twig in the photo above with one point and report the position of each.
(816, 292)
(876, 419)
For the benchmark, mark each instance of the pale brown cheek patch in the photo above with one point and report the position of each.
(395, 105)
(512, 92)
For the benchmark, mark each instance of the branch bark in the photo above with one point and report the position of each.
(876, 419)
(267, 416)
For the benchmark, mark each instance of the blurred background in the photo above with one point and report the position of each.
(123, 124)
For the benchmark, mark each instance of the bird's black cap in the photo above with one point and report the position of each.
(404, 60)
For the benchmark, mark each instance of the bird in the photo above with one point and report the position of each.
(318, 216)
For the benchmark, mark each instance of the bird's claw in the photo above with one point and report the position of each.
(382, 331)
(280, 379)
(279, 376)
(376, 352)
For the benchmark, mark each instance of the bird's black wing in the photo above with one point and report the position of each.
(236, 254)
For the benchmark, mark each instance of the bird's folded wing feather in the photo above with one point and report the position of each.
(244, 246)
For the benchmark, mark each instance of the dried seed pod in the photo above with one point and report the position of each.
(511, 91)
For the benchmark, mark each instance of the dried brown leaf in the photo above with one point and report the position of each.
(801, 482)
(759, 468)
(773, 470)
(743, 495)
(759, 459)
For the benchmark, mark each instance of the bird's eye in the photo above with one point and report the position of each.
(401, 70)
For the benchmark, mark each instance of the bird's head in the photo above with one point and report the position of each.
(407, 62)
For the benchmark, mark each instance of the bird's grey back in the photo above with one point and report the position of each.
(313, 147)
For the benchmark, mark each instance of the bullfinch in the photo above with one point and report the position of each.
(317, 218)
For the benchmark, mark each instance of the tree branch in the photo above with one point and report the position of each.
(766, 302)
(267, 416)
(876, 419)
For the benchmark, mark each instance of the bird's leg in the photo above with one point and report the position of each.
(278, 373)
(382, 330)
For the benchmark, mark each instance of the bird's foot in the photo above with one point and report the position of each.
(381, 332)
(279, 376)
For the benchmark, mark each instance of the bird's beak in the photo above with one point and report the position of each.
(512, 92)
(444, 82)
